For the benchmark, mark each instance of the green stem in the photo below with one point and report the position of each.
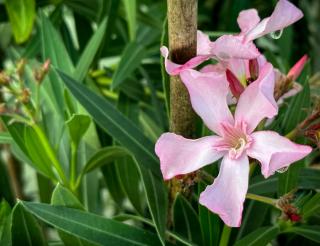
(224, 240)
(293, 134)
(50, 153)
(263, 199)
(73, 166)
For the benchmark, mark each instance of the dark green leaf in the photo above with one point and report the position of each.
(21, 14)
(130, 60)
(186, 221)
(91, 227)
(113, 122)
(25, 229)
(261, 236)
(5, 223)
(89, 52)
(307, 231)
(311, 206)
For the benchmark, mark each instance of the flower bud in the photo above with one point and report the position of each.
(20, 67)
(25, 96)
(2, 108)
(4, 78)
(236, 87)
(297, 68)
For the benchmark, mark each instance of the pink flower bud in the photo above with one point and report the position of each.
(296, 70)
(235, 86)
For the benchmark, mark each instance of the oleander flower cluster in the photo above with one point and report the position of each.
(244, 77)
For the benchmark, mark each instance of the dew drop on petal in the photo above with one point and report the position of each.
(276, 34)
(282, 170)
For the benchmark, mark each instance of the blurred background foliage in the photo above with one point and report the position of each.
(95, 156)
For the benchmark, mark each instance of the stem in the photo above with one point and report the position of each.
(225, 236)
(292, 135)
(182, 33)
(73, 166)
(263, 199)
(50, 152)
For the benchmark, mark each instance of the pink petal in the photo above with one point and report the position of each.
(284, 14)
(230, 46)
(274, 151)
(203, 44)
(296, 70)
(226, 195)
(174, 69)
(248, 19)
(208, 93)
(239, 68)
(213, 68)
(179, 155)
(257, 101)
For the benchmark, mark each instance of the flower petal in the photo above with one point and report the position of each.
(203, 44)
(230, 46)
(226, 195)
(296, 70)
(257, 101)
(284, 14)
(248, 19)
(274, 151)
(208, 94)
(174, 69)
(179, 155)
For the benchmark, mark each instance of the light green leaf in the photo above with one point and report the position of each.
(21, 14)
(311, 232)
(5, 138)
(78, 124)
(130, 60)
(91, 227)
(89, 52)
(261, 236)
(131, 11)
(25, 229)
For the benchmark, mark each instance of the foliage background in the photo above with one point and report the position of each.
(110, 48)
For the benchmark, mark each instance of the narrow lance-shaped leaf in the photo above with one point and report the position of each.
(25, 229)
(91, 227)
(21, 14)
(261, 236)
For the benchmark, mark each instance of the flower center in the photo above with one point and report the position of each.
(235, 140)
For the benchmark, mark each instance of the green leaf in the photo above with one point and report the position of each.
(131, 11)
(105, 156)
(5, 138)
(209, 222)
(6, 191)
(261, 236)
(311, 206)
(5, 223)
(311, 232)
(25, 229)
(21, 14)
(63, 197)
(91, 227)
(89, 52)
(130, 60)
(78, 124)
(186, 221)
(128, 135)
(114, 123)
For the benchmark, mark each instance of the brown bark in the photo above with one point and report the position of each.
(182, 33)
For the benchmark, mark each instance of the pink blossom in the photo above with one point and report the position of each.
(235, 141)
(238, 46)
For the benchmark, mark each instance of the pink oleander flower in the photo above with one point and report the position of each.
(235, 140)
(238, 46)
